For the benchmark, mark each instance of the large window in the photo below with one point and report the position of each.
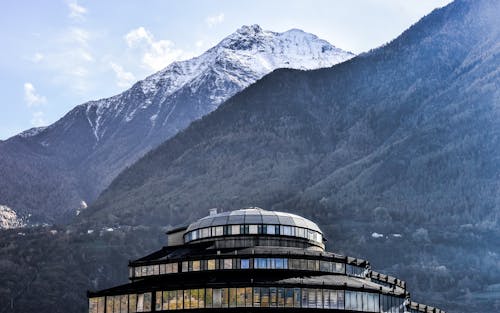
(271, 296)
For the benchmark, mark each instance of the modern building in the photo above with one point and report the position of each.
(253, 260)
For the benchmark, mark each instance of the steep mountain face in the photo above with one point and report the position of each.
(395, 152)
(48, 171)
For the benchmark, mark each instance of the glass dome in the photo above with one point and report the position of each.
(253, 221)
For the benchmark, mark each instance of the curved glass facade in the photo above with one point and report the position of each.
(256, 260)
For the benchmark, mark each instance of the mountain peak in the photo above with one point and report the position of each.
(249, 29)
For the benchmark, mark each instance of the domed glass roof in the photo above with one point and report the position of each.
(254, 216)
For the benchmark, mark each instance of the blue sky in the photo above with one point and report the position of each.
(61, 53)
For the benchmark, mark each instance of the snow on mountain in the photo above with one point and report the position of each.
(236, 62)
(77, 157)
(9, 218)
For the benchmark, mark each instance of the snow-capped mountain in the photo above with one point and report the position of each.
(75, 158)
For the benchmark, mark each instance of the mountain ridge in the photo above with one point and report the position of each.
(75, 158)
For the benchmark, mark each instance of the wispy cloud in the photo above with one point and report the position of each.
(214, 19)
(156, 54)
(37, 57)
(31, 97)
(76, 11)
(38, 119)
(124, 78)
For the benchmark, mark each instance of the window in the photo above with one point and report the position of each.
(235, 229)
(295, 264)
(116, 304)
(205, 232)
(248, 297)
(260, 263)
(211, 264)
(157, 301)
(101, 304)
(232, 297)
(300, 232)
(93, 305)
(245, 263)
(264, 296)
(296, 297)
(289, 297)
(179, 301)
(217, 298)
(273, 296)
(256, 297)
(311, 298)
(225, 297)
(281, 297)
(201, 298)
(147, 302)
(208, 297)
(228, 264)
(271, 230)
(194, 298)
(304, 298)
(240, 297)
(163, 269)
(187, 299)
(185, 266)
(138, 271)
(253, 229)
(219, 231)
(132, 303)
(286, 230)
(196, 266)
(140, 303)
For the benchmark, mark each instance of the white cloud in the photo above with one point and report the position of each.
(124, 78)
(214, 20)
(156, 54)
(38, 119)
(37, 57)
(76, 11)
(199, 43)
(31, 97)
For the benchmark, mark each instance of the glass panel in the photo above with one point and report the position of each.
(217, 298)
(165, 300)
(289, 297)
(158, 297)
(101, 304)
(272, 296)
(116, 308)
(304, 298)
(235, 229)
(138, 271)
(245, 263)
(225, 297)
(156, 269)
(147, 302)
(163, 269)
(279, 263)
(196, 266)
(187, 300)
(219, 231)
(132, 303)
(295, 264)
(240, 297)
(201, 298)
(319, 298)
(270, 229)
(256, 297)
(172, 300)
(264, 296)
(296, 297)
(228, 264)
(260, 263)
(253, 229)
(180, 299)
(232, 297)
(281, 297)
(340, 299)
(211, 264)
(248, 297)
(194, 298)
(144, 271)
(92, 305)
(185, 266)
(326, 299)
(140, 303)
(208, 297)
(311, 298)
